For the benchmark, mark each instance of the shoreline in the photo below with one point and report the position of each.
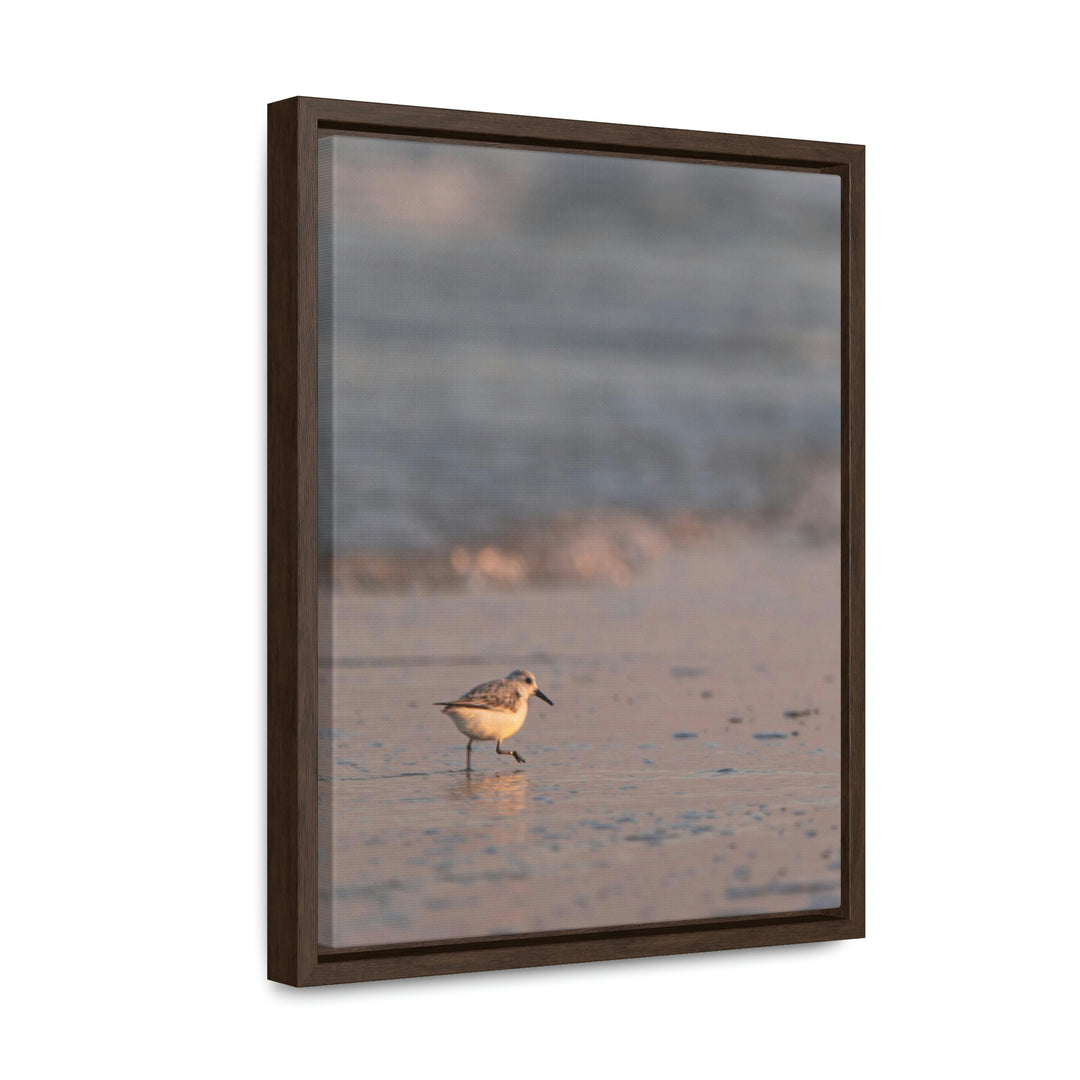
(606, 546)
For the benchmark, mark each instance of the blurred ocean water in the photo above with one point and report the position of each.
(507, 336)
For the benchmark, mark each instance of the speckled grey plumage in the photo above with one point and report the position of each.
(495, 694)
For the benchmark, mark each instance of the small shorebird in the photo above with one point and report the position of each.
(494, 710)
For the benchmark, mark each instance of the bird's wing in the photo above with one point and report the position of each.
(497, 694)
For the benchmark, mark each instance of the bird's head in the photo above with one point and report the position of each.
(528, 682)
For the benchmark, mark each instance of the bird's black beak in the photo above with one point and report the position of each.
(543, 697)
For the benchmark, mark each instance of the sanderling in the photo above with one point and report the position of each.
(494, 710)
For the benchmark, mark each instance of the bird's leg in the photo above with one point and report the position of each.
(468, 756)
(513, 753)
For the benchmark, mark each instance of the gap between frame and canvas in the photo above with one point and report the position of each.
(294, 957)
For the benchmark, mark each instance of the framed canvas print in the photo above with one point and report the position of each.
(565, 541)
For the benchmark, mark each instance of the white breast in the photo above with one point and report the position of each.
(487, 724)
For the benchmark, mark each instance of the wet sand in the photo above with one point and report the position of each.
(689, 769)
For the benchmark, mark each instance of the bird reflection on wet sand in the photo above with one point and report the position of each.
(497, 794)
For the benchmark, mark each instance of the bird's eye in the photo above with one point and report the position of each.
(528, 679)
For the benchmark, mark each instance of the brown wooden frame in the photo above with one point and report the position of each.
(292, 308)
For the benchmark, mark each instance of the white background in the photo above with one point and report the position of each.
(132, 428)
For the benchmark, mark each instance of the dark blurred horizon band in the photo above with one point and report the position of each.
(510, 340)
